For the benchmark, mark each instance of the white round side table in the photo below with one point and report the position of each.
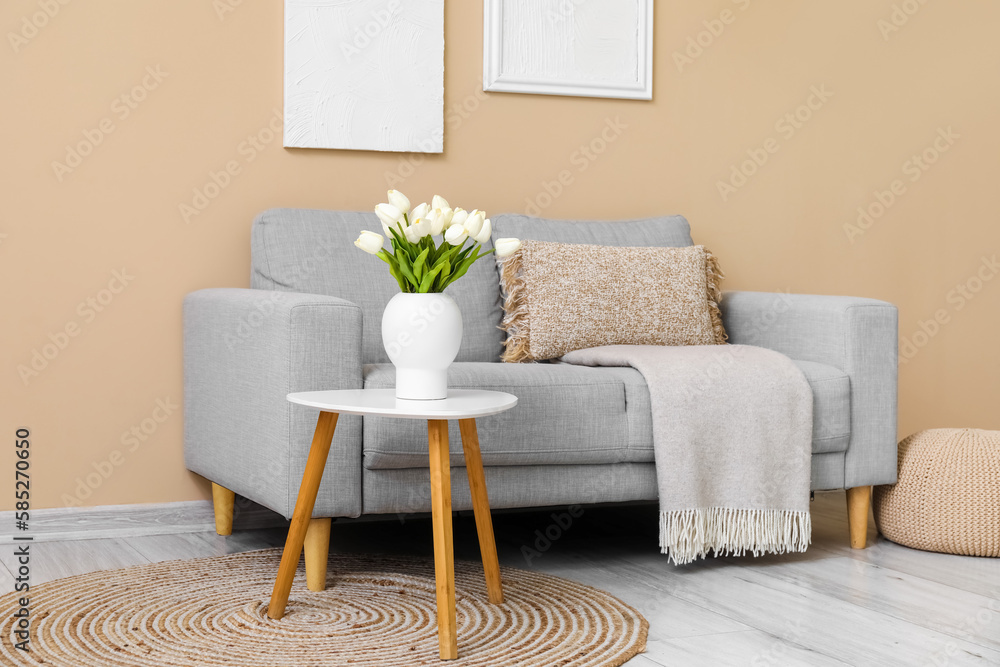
(463, 405)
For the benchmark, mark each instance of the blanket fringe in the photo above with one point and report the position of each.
(713, 279)
(687, 535)
(515, 320)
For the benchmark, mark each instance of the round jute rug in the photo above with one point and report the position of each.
(376, 611)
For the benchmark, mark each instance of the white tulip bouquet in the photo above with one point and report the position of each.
(418, 262)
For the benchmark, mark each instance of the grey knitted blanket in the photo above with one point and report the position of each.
(732, 432)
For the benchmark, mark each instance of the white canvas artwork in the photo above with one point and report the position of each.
(592, 48)
(365, 74)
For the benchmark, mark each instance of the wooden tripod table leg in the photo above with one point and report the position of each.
(444, 555)
(481, 506)
(318, 452)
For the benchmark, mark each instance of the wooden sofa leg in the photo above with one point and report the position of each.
(858, 504)
(223, 500)
(317, 550)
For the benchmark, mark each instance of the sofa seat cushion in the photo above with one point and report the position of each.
(570, 415)
(565, 415)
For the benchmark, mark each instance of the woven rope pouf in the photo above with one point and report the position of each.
(947, 498)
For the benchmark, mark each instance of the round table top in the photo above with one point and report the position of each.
(460, 404)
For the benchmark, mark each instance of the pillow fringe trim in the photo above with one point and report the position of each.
(713, 281)
(515, 306)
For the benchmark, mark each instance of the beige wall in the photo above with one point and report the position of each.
(118, 210)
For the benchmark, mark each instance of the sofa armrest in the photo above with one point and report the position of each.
(244, 350)
(858, 336)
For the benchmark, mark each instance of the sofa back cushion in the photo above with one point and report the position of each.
(670, 231)
(299, 250)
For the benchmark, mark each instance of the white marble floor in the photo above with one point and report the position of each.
(885, 605)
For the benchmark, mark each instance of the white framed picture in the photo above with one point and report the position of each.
(365, 74)
(589, 48)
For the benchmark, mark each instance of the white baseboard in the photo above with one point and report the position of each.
(91, 523)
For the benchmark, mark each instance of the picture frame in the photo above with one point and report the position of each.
(586, 48)
(353, 69)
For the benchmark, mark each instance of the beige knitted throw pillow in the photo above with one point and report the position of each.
(562, 297)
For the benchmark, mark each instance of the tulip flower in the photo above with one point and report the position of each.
(433, 219)
(474, 223)
(422, 227)
(370, 242)
(456, 235)
(419, 212)
(459, 217)
(439, 202)
(484, 234)
(440, 219)
(399, 200)
(507, 247)
(418, 229)
(388, 214)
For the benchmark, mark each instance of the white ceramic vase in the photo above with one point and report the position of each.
(422, 334)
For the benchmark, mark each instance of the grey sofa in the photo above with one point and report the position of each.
(311, 321)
